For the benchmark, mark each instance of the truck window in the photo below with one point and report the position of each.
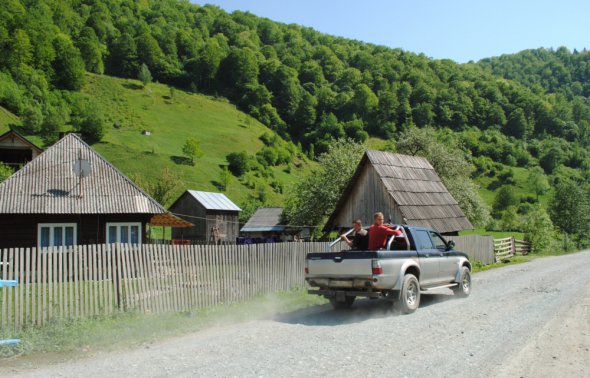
(438, 241)
(423, 240)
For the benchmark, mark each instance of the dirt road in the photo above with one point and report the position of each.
(529, 320)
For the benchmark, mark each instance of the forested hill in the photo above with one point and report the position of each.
(545, 70)
(309, 87)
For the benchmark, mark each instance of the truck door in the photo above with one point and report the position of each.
(429, 256)
(448, 264)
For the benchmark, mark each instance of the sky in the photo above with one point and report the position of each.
(461, 30)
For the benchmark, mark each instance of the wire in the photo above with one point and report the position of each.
(230, 222)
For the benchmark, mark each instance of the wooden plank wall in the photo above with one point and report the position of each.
(478, 247)
(85, 281)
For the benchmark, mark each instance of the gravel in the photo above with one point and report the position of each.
(526, 320)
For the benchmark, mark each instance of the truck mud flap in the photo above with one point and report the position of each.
(340, 294)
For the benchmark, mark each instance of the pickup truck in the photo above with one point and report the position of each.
(416, 261)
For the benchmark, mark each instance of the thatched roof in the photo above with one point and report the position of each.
(49, 185)
(415, 188)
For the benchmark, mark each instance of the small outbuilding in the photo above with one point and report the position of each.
(16, 150)
(265, 226)
(406, 189)
(215, 217)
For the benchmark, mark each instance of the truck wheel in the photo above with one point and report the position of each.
(464, 288)
(409, 296)
(347, 303)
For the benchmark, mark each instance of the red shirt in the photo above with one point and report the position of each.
(378, 236)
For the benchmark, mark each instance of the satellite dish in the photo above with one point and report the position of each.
(82, 168)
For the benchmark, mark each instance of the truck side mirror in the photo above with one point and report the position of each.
(450, 245)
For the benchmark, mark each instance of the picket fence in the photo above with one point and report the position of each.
(86, 281)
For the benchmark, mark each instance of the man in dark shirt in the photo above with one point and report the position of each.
(360, 240)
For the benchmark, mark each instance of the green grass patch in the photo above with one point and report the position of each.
(131, 329)
(494, 234)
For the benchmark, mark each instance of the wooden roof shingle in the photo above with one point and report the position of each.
(49, 185)
(415, 187)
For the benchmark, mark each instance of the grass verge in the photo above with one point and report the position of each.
(131, 329)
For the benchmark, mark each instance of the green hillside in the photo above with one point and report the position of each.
(171, 119)
(7, 118)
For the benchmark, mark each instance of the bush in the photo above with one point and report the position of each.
(238, 163)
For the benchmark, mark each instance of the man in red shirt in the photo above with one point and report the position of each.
(378, 233)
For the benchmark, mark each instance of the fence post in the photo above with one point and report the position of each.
(9, 283)
(513, 241)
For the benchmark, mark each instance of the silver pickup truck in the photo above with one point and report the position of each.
(416, 261)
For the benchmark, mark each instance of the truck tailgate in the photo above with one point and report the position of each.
(340, 264)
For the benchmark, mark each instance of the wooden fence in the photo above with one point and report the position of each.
(478, 247)
(85, 281)
(508, 247)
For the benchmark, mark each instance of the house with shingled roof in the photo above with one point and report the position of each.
(70, 195)
(406, 189)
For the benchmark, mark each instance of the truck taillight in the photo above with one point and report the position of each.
(306, 267)
(377, 269)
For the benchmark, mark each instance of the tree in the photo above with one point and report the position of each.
(164, 187)
(144, 75)
(313, 198)
(451, 166)
(225, 178)
(505, 198)
(569, 208)
(68, 65)
(517, 125)
(92, 50)
(238, 162)
(5, 171)
(88, 120)
(192, 149)
(538, 181)
(539, 230)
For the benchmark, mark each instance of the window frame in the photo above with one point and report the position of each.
(437, 235)
(118, 225)
(52, 227)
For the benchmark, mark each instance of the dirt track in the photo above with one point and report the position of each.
(529, 320)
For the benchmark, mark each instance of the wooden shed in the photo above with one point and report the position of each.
(16, 150)
(406, 189)
(215, 217)
(71, 195)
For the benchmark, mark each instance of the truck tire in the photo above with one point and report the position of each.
(346, 304)
(409, 295)
(464, 288)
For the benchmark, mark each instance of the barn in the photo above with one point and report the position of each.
(16, 150)
(215, 217)
(71, 195)
(406, 189)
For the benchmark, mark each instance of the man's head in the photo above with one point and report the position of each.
(378, 218)
(357, 224)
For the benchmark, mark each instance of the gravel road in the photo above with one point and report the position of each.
(528, 320)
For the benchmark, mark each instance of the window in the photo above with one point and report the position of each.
(438, 241)
(56, 234)
(124, 233)
(423, 240)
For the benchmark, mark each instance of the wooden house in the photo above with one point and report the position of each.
(406, 189)
(265, 225)
(215, 217)
(16, 150)
(71, 195)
